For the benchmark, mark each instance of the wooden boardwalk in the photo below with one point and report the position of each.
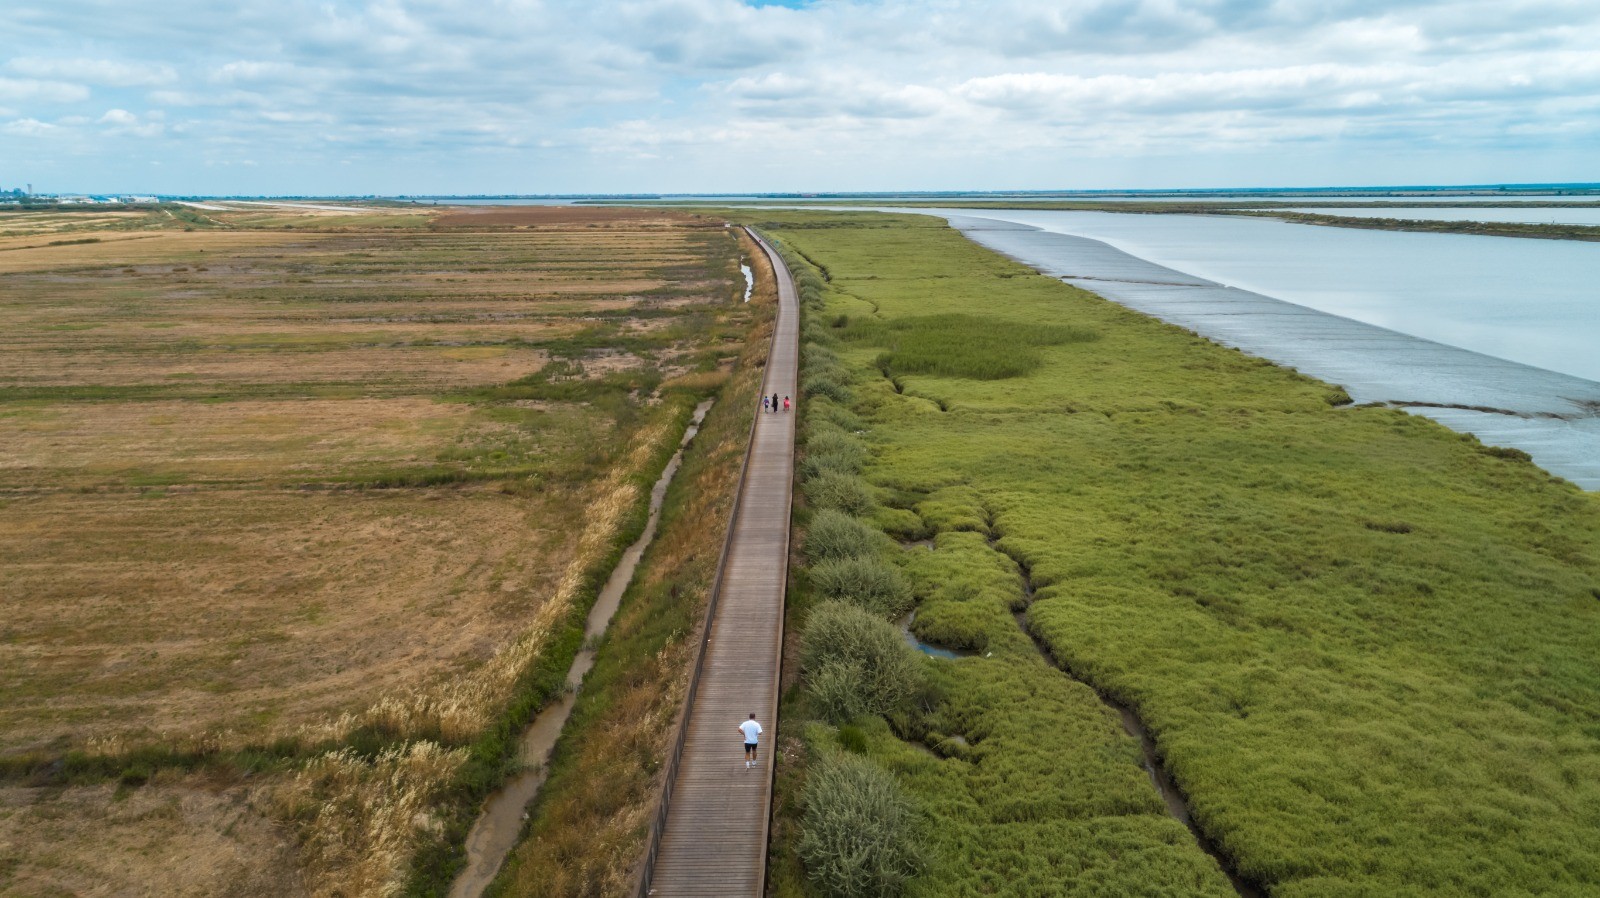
(714, 842)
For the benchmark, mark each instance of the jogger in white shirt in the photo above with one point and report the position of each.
(751, 731)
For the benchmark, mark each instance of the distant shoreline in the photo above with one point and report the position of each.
(1434, 226)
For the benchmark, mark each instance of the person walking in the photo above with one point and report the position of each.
(785, 403)
(774, 401)
(752, 732)
(764, 406)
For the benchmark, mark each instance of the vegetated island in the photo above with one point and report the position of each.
(1545, 231)
(1361, 644)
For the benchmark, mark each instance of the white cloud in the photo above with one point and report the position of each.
(253, 71)
(28, 127)
(107, 72)
(34, 90)
(123, 122)
(716, 89)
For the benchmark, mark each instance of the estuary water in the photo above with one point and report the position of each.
(1493, 336)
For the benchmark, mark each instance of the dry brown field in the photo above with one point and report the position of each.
(15, 222)
(188, 837)
(294, 477)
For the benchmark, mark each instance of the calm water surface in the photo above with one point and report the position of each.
(1493, 336)
(1531, 301)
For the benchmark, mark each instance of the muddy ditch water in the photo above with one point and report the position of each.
(499, 827)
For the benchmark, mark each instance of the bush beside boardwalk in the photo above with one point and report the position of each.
(1364, 644)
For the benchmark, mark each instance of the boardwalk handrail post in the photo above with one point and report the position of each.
(675, 755)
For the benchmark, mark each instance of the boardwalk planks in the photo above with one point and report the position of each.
(714, 841)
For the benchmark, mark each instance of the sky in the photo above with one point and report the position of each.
(323, 97)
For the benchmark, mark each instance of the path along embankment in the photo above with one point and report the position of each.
(710, 837)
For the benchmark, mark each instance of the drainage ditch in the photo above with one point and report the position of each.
(1172, 797)
(498, 828)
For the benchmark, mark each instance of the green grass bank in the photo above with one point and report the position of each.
(1365, 644)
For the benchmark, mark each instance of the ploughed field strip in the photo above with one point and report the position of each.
(715, 840)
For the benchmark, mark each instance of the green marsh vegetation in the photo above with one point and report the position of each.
(904, 775)
(1364, 644)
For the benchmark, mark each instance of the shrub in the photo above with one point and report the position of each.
(840, 491)
(829, 440)
(845, 646)
(816, 465)
(858, 833)
(829, 412)
(834, 534)
(814, 334)
(835, 694)
(806, 279)
(815, 355)
(866, 582)
(1506, 452)
(827, 384)
(831, 449)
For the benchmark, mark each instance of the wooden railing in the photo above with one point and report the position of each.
(675, 755)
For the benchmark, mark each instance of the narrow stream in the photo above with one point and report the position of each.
(749, 280)
(498, 828)
(1173, 797)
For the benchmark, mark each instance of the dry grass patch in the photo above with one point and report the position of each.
(549, 216)
(287, 441)
(178, 836)
(20, 223)
(131, 248)
(170, 398)
(361, 368)
(256, 614)
(328, 502)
